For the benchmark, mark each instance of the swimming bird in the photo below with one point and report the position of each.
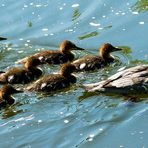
(60, 56)
(92, 62)
(5, 95)
(130, 81)
(22, 75)
(3, 38)
(54, 82)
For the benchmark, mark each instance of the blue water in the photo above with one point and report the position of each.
(69, 118)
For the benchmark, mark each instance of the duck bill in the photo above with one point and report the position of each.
(2, 38)
(78, 48)
(117, 49)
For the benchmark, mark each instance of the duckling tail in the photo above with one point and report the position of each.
(2, 78)
(22, 61)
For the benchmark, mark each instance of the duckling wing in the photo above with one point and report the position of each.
(3, 79)
(9, 75)
(40, 55)
(56, 58)
(90, 62)
(15, 75)
(52, 57)
(49, 83)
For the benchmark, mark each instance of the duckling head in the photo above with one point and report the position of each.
(32, 62)
(106, 49)
(67, 69)
(6, 92)
(66, 46)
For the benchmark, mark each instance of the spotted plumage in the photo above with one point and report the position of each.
(54, 82)
(5, 95)
(60, 56)
(22, 75)
(92, 62)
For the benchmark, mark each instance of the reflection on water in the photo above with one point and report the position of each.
(10, 112)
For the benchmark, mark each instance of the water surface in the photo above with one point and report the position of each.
(70, 118)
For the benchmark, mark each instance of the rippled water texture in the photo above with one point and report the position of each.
(72, 118)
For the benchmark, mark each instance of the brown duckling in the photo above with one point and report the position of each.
(92, 62)
(5, 95)
(22, 75)
(60, 56)
(54, 82)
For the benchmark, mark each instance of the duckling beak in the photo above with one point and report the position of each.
(78, 48)
(2, 38)
(116, 49)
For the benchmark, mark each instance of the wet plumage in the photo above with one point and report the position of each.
(22, 75)
(92, 62)
(5, 95)
(53, 82)
(130, 81)
(60, 56)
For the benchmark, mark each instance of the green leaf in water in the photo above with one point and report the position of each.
(126, 50)
(76, 14)
(92, 34)
(140, 6)
(107, 27)
(29, 24)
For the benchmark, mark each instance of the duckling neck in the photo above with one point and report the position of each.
(71, 78)
(32, 68)
(36, 71)
(8, 99)
(108, 57)
(69, 54)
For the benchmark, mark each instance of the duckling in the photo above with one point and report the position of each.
(92, 62)
(129, 81)
(54, 82)
(3, 38)
(60, 56)
(22, 75)
(5, 95)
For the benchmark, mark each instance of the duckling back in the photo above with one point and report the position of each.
(49, 83)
